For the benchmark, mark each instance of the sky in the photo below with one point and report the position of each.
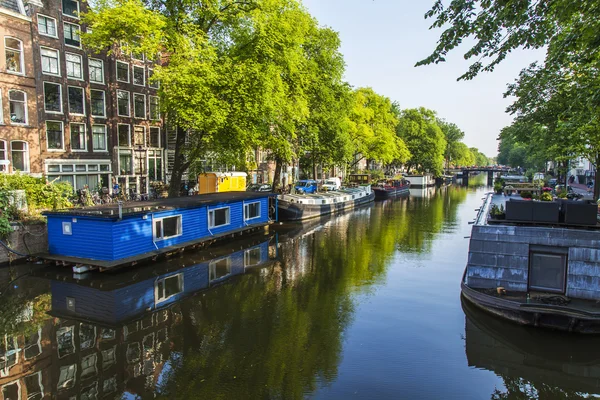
(383, 39)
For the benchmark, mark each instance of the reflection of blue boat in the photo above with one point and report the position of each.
(116, 298)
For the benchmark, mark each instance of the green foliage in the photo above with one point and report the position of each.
(497, 211)
(40, 195)
(546, 197)
(562, 195)
(498, 187)
(5, 228)
(424, 139)
(526, 194)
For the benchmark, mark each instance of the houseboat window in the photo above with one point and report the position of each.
(33, 347)
(547, 271)
(65, 341)
(252, 210)
(33, 384)
(66, 377)
(252, 257)
(108, 357)
(11, 391)
(168, 287)
(219, 269)
(88, 366)
(167, 227)
(87, 336)
(218, 217)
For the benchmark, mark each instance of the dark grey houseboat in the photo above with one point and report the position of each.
(538, 264)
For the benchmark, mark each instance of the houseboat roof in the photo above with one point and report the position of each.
(111, 211)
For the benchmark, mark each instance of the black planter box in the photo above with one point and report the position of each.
(519, 210)
(580, 213)
(545, 211)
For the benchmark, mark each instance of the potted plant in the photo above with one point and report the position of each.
(526, 195)
(498, 187)
(497, 212)
(546, 197)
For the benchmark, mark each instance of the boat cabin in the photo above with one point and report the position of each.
(359, 179)
(115, 234)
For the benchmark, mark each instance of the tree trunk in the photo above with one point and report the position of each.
(597, 175)
(277, 175)
(179, 165)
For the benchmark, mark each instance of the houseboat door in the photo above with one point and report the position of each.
(547, 269)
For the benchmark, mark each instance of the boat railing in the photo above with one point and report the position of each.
(484, 210)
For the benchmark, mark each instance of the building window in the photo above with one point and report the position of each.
(154, 136)
(252, 257)
(96, 70)
(168, 227)
(155, 165)
(34, 387)
(252, 210)
(218, 217)
(33, 346)
(137, 56)
(125, 162)
(78, 139)
(123, 108)
(13, 51)
(70, 8)
(122, 71)
(88, 367)
(139, 106)
(67, 377)
(139, 136)
(17, 102)
(124, 137)
(168, 287)
(98, 103)
(1, 112)
(154, 108)
(3, 157)
(46, 26)
(153, 83)
(74, 66)
(50, 61)
(11, 390)
(20, 155)
(547, 269)
(99, 137)
(72, 37)
(109, 357)
(52, 97)
(76, 100)
(139, 75)
(54, 135)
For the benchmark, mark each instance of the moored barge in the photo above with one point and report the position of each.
(538, 264)
(391, 188)
(294, 207)
(115, 235)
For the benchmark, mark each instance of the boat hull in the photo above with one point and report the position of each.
(381, 193)
(296, 212)
(543, 316)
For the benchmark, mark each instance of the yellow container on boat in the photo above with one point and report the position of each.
(217, 182)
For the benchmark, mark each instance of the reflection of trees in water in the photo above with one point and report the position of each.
(521, 389)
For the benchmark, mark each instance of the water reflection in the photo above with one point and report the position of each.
(532, 363)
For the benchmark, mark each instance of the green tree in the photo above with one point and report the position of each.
(419, 129)
(453, 136)
(462, 155)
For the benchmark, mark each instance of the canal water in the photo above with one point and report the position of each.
(364, 305)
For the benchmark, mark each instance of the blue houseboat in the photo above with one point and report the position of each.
(119, 298)
(114, 235)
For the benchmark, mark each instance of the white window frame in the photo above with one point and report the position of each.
(150, 135)
(26, 157)
(247, 257)
(128, 103)
(157, 298)
(133, 67)
(70, 16)
(247, 207)
(38, 344)
(117, 71)
(129, 135)
(69, 102)
(133, 144)
(84, 137)
(145, 109)
(2, 110)
(212, 211)
(212, 269)
(90, 69)
(105, 150)
(126, 150)
(61, 97)
(4, 163)
(104, 103)
(150, 83)
(57, 61)
(17, 382)
(64, 31)
(62, 126)
(24, 105)
(80, 68)
(21, 57)
(138, 59)
(161, 237)
(150, 108)
(55, 25)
